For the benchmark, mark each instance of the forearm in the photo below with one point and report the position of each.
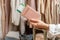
(46, 26)
(43, 26)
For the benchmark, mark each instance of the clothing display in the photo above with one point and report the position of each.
(12, 20)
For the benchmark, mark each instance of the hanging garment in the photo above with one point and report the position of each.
(22, 20)
(15, 15)
(0, 18)
(47, 12)
(22, 27)
(42, 1)
(59, 18)
(54, 12)
(0, 21)
(32, 3)
(38, 8)
(3, 19)
(7, 14)
(58, 12)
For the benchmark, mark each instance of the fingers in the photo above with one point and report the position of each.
(34, 20)
(34, 24)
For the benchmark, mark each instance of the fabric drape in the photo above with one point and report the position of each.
(7, 14)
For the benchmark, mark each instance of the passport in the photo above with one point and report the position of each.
(30, 13)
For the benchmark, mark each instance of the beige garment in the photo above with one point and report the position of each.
(55, 16)
(58, 10)
(7, 14)
(15, 15)
(0, 17)
(22, 27)
(38, 8)
(59, 18)
(47, 12)
(54, 12)
(42, 6)
(0, 21)
(3, 19)
(31, 3)
(22, 21)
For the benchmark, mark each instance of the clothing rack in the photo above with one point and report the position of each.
(46, 8)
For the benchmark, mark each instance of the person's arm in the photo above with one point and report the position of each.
(39, 24)
(43, 26)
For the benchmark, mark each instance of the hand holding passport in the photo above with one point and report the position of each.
(30, 13)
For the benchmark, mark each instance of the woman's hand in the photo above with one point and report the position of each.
(39, 24)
